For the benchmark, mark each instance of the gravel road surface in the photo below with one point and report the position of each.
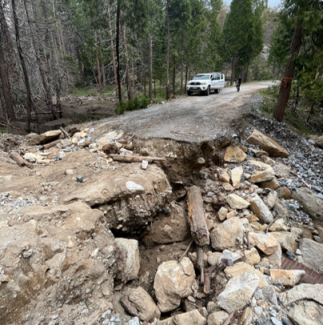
(193, 118)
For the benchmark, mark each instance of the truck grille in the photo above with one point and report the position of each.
(194, 83)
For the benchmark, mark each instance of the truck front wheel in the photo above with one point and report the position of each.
(189, 93)
(207, 91)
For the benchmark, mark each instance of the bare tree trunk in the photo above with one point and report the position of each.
(174, 77)
(8, 108)
(113, 59)
(98, 63)
(155, 94)
(133, 78)
(117, 50)
(48, 95)
(125, 49)
(23, 65)
(168, 47)
(104, 80)
(286, 82)
(150, 67)
(186, 76)
(80, 66)
(182, 63)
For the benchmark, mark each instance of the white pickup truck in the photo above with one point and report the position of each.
(206, 82)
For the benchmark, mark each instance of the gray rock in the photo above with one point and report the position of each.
(275, 321)
(258, 310)
(312, 254)
(261, 210)
(310, 202)
(134, 321)
(79, 179)
(306, 312)
(243, 287)
(269, 293)
(258, 294)
(61, 155)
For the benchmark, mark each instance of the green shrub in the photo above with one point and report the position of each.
(132, 105)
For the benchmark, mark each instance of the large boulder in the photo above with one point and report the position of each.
(225, 234)
(168, 228)
(173, 282)
(138, 302)
(267, 144)
(128, 263)
(301, 292)
(311, 203)
(306, 312)
(304, 303)
(35, 139)
(238, 292)
(312, 254)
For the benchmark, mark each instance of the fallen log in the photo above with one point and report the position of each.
(135, 158)
(196, 217)
(20, 161)
(52, 144)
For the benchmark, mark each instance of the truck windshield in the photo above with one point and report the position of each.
(201, 77)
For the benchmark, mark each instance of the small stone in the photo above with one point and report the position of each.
(201, 161)
(144, 164)
(61, 155)
(258, 310)
(79, 179)
(225, 178)
(298, 252)
(69, 172)
(284, 193)
(236, 202)
(290, 255)
(236, 175)
(275, 321)
(222, 213)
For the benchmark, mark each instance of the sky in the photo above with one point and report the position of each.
(271, 3)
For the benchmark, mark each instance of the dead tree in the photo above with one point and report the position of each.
(117, 49)
(125, 49)
(286, 82)
(150, 67)
(168, 48)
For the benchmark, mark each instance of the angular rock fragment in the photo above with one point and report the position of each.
(138, 302)
(267, 243)
(289, 278)
(217, 318)
(260, 209)
(287, 240)
(129, 262)
(312, 254)
(267, 144)
(311, 203)
(236, 202)
(236, 175)
(234, 155)
(173, 281)
(225, 235)
(238, 292)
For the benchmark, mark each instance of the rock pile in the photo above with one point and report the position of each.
(92, 235)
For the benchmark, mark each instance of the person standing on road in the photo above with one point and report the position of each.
(239, 82)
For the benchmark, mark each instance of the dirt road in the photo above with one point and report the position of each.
(192, 118)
